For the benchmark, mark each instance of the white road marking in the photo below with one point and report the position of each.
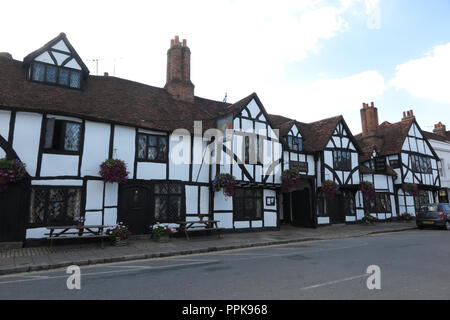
(129, 269)
(334, 282)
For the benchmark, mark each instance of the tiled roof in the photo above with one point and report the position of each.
(315, 134)
(391, 137)
(106, 98)
(434, 136)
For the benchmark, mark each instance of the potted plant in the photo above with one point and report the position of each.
(226, 182)
(114, 170)
(411, 189)
(119, 234)
(405, 216)
(79, 221)
(161, 233)
(367, 189)
(329, 187)
(368, 218)
(10, 171)
(290, 179)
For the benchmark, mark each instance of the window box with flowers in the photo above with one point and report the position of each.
(161, 233)
(119, 234)
(226, 182)
(114, 170)
(290, 180)
(11, 171)
(329, 187)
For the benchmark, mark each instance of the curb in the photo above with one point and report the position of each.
(95, 261)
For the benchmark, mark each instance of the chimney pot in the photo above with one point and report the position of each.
(178, 82)
(372, 104)
(106, 74)
(440, 129)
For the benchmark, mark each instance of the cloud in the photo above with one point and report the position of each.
(427, 77)
(326, 97)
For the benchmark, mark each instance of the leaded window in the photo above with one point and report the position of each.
(253, 149)
(247, 204)
(152, 148)
(380, 203)
(51, 74)
(295, 143)
(421, 164)
(421, 199)
(342, 160)
(54, 206)
(169, 202)
(62, 136)
(348, 203)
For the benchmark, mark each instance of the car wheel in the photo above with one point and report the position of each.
(447, 225)
(420, 227)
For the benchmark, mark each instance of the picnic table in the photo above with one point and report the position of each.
(192, 226)
(84, 231)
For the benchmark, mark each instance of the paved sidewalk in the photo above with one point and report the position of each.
(42, 258)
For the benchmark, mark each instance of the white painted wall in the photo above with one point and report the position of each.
(443, 151)
(151, 170)
(27, 133)
(94, 195)
(5, 117)
(54, 165)
(179, 157)
(96, 147)
(124, 146)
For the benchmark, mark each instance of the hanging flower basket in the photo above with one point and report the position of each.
(114, 170)
(367, 189)
(226, 182)
(411, 189)
(10, 171)
(290, 180)
(329, 187)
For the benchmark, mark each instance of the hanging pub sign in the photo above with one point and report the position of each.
(380, 164)
(225, 124)
(301, 166)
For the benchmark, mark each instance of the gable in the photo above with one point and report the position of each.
(58, 52)
(342, 138)
(294, 131)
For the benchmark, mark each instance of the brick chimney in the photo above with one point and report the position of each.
(407, 115)
(369, 120)
(439, 128)
(178, 82)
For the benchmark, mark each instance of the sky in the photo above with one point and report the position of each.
(306, 59)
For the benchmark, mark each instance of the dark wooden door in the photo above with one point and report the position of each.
(336, 209)
(301, 208)
(135, 207)
(287, 207)
(13, 206)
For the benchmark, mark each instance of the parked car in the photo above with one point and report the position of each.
(434, 215)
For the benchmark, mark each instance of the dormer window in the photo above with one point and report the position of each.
(57, 63)
(65, 77)
(295, 143)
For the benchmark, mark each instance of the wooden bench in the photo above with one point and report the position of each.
(84, 232)
(190, 226)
